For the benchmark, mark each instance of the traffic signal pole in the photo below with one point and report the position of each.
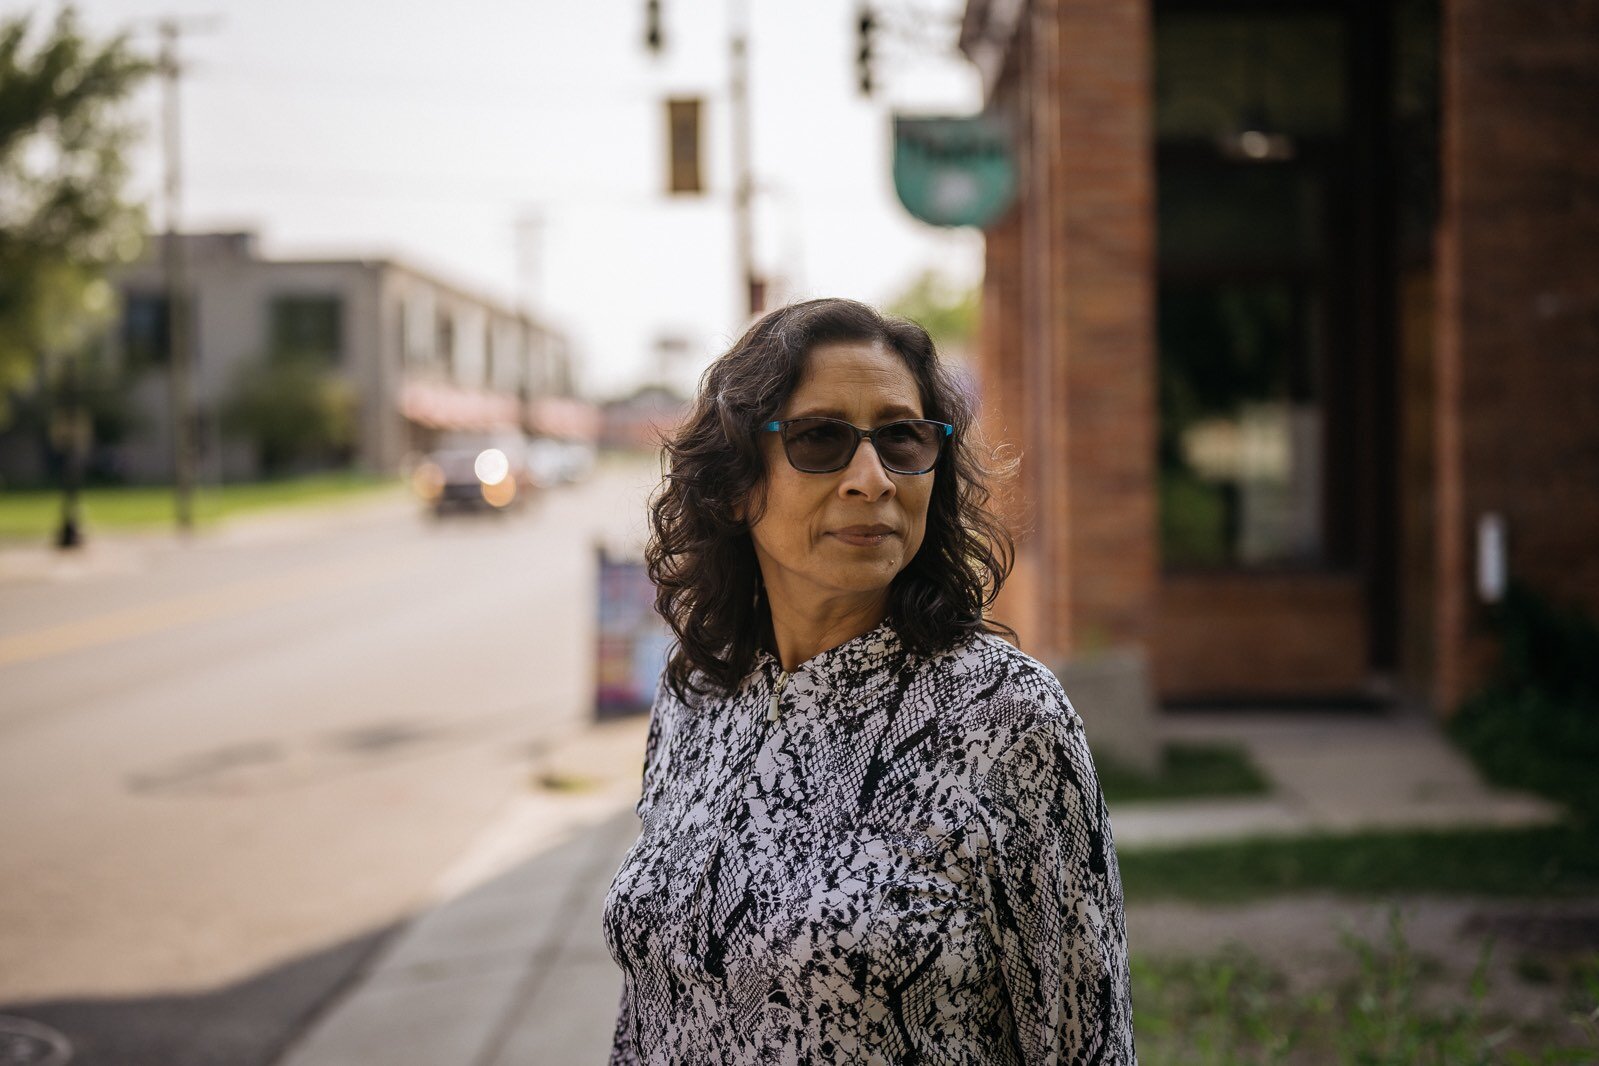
(865, 31)
(752, 289)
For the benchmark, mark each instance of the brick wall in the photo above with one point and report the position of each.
(1291, 635)
(1002, 373)
(1073, 265)
(1517, 374)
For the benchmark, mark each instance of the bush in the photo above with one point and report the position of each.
(299, 413)
(1535, 725)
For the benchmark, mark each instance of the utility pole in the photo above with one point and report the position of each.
(179, 304)
(529, 279)
(753, 295)
(652, 26)
(529, 258)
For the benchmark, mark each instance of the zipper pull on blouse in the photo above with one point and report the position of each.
(777, 694)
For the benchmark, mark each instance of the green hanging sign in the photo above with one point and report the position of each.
(954, 171)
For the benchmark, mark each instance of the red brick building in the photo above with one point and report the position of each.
(1296, 311)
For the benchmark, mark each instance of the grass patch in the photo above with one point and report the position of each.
(1558, 860)
(1187, 771)
(34, 514)
(1231, 1009)
(1219, 1009)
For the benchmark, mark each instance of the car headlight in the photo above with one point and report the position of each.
(491, 466)
(500, 494)
(427, 481)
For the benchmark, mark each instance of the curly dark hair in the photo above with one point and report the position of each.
(700, 554)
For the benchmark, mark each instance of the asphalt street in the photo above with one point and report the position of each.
(229, 767)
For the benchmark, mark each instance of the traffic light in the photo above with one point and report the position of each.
(683, 145)
(867, 25)
(652, 25)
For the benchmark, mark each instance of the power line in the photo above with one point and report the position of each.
(417, 187)
(409, 91)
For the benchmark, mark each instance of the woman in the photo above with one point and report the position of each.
(872, 831)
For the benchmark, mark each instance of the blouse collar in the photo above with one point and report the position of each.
(863, 654)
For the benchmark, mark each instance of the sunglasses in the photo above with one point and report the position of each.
(823, 445)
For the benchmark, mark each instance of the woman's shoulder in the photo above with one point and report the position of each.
(990, 688)
(698, 697)
(700, 705)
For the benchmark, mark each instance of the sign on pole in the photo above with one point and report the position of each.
(633, 639)
(954, 171)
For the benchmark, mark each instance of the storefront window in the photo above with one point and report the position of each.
(1252, 130)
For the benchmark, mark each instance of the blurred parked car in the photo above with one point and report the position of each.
(476, 471)
(560, 462)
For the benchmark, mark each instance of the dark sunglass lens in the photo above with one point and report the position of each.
(908, 446)
(816, 444)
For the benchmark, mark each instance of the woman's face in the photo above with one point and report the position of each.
(808, 537)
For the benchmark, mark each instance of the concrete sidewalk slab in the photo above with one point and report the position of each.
(569, 1009)
(1329, 773)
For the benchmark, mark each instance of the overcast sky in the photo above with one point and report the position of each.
(427, 130)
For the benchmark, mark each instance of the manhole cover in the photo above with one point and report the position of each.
(25, 1043)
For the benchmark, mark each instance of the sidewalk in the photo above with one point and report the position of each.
(510, 966)
(1330, 772)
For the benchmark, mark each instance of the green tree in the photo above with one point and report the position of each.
(946, 311)
(296, 410)
(65, 219)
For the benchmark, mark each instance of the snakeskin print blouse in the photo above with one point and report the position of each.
(879, 858)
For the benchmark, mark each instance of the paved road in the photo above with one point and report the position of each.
(228, 767)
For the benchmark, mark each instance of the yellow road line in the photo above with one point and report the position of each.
(237, 598)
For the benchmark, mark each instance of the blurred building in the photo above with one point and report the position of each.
(420, 355)
(642, 419)
(1295, 319)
